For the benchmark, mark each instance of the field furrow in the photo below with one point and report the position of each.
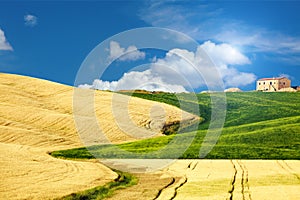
(254, 179)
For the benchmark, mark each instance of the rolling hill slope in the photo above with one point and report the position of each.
(36, 117)
(257, 126)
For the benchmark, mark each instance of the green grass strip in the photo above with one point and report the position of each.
(124, 180)
(273, 139)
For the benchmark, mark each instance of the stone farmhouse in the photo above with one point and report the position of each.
(273, 84)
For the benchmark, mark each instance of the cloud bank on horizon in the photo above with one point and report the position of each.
(179, 69)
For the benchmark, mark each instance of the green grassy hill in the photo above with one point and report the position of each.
(257, 126)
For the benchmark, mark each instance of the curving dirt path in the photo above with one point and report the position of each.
(36, 116)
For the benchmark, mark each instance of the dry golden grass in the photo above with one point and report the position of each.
(214, 179)
(36, 116)
(254, 179)
(27, 173)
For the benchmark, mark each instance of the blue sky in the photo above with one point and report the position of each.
(246, 40)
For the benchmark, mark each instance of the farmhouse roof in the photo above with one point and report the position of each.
(267, 79)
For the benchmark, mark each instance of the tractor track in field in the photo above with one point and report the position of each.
(287, 168)
(176, 189)
(165, 187)
(176, 180)
(244, 180)
(291, 170)
(232, 181)
(195, 166)
(192, 165)
(169, 185)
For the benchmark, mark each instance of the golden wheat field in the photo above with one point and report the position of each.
(219, 179)
(36, 117)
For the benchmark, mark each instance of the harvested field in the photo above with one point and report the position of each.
(28, 173)
(36, 117)
(220, 179)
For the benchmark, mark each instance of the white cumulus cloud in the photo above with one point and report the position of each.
(180, 70)
(4, 45)
(224, 54)
(198, 70)
(145, 80)
(131, 53)
(30, 20)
